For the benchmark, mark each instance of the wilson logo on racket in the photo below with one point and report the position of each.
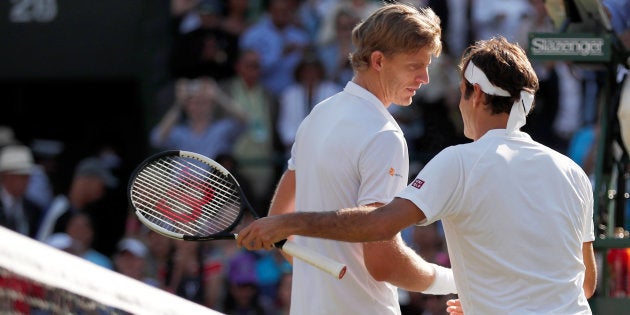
(188, 207)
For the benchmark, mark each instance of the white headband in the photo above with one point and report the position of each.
(520, 108)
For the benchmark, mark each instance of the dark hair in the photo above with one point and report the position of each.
(309, 59)
(506, 66)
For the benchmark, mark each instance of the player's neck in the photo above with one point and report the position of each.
(371, 86)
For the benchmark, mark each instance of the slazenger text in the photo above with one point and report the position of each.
(567, 46)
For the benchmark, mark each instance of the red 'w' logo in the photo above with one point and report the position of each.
(188, 206)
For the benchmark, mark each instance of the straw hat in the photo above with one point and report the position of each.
(16, 159)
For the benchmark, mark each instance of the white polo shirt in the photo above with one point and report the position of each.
(515, 215)
(349, 151)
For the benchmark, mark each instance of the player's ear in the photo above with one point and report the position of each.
(376, 59)
(478, 96)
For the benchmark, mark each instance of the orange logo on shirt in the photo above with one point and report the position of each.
(392, 171)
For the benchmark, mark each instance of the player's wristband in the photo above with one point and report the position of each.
(443, 283)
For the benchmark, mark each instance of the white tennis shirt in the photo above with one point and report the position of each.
(349, 151)
(515, 215)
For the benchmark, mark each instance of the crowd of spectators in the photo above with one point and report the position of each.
(243, 74)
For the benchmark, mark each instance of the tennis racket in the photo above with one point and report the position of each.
(187, 196)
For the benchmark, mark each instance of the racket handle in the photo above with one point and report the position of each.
(314, 258)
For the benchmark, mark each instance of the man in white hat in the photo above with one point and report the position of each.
(17, 212)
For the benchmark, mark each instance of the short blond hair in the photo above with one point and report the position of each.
(396, 28)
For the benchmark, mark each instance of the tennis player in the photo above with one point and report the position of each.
(349, 151)
(517, 215)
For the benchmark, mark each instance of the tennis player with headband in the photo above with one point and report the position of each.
(517, 215)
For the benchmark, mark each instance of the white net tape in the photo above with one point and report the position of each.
(38, 279)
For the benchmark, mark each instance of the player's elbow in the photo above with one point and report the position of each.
(380, 273)
(383, 232)
(589, 291)
(589, 287)
(378, 260)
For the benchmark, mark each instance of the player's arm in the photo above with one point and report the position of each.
(395, 262)
(361, 224)
(283, 200)
(590, 275)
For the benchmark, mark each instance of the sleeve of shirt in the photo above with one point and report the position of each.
(383, 167)
(438, 188)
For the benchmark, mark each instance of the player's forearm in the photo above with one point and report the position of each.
(394, 262)
(350, 225)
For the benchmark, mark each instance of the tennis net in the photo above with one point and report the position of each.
(38, 279)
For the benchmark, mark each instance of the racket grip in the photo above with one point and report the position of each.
(314, 258)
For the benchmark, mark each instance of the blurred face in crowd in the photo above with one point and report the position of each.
(15, 184)
(92, 187)
(198, 102)
(281, 12)
(248, 67)
(80, 228)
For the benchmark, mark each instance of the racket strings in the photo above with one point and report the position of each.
(185, 196)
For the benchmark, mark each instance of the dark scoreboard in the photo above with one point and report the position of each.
(77, 38)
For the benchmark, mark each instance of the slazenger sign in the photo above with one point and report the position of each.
(563, 46)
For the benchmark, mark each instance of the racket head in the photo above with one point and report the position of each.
(185, 195)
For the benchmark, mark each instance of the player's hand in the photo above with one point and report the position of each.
(454, 307)
(261, 234)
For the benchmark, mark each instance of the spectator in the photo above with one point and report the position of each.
(270, 266)
(255, 150)
(17, 212)
(89, 184)
(81, 230)
(207, 51)
(362, 8)
(335, 52)
(498, 17)
(217, 256)
(160, 251)
(238, 17)
(64, 242)
(193, 276)
(283, 296)
(243, 295)
(7, 136)
(307, 17)
(279, 43)
(130, 260)
(41, 186)
(297, 99)
(184, 17)
(619, 13)
(194, 122)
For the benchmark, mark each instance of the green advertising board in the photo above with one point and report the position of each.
(569, 46)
